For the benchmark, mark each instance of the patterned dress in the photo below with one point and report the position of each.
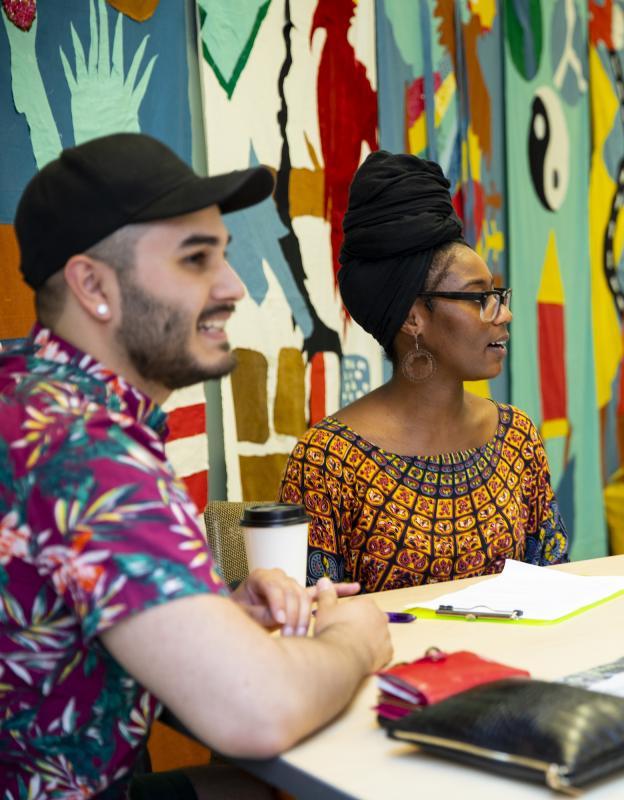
(93, 527)
(390, 521)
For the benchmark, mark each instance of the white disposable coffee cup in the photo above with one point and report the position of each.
(277, 536)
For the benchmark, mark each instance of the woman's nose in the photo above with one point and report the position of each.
(504, 315)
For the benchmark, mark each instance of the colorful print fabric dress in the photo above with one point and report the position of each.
(390, 521)
(93, 527)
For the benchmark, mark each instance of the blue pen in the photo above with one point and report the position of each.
(400, 616)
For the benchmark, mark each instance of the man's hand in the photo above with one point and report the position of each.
(274, 600)
(358, 620)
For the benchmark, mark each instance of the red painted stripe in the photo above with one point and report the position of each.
(317, 388)
(186, 421)
(197, 487)
(552, 365)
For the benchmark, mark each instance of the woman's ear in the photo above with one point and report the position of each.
(414, 321)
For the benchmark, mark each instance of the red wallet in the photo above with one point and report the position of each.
(435, 676)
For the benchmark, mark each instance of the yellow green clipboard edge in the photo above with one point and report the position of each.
(429, 613)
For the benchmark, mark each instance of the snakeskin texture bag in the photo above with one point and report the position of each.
(561, 735)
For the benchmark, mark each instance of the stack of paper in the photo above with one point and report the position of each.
(543, 595)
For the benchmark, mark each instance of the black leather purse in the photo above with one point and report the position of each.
(550, 733)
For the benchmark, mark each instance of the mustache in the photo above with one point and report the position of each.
(207, 313)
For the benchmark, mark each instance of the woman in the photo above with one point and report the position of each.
(421, 481)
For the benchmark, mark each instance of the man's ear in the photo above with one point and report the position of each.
(90, 282)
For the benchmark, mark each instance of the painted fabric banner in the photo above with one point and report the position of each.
(440, 97)
(80, 72)
(606, 204)
(553, 375)
(291, 85)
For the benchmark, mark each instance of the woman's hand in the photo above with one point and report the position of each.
(275, 600)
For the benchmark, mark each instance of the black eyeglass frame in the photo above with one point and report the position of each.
(480, 297)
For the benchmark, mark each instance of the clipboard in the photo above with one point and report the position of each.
(506, 617)
(523, 594)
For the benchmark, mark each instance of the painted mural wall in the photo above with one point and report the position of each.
(522, 110)
(68, 76)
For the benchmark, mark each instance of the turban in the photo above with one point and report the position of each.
(399, 214)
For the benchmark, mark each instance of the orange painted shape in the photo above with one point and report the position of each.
(317, 388)
(139, 10)
(197, 487)
(169, 749)
(17, 311)
(186, 421)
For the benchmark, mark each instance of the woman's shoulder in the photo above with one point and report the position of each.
(323, 431)
(517, 423)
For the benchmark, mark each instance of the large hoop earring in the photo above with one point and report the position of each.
(418, 364)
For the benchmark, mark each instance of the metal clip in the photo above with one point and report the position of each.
(478, 612)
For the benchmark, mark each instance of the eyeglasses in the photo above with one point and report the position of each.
(489, 301)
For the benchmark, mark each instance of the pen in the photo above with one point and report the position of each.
(393, 616)
(400, 616)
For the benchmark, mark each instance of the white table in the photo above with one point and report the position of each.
(353, 758)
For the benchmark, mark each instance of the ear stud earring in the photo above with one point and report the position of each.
(102, 309)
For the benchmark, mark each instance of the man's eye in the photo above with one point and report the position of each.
(197, 259)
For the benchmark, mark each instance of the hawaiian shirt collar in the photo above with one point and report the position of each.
(117, 393)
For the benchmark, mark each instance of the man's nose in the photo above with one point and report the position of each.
(228, 286)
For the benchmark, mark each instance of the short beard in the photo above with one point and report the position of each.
(155, 338)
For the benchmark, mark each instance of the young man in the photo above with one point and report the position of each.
(108, 594)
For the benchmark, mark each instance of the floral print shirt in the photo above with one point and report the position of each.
(94, 526)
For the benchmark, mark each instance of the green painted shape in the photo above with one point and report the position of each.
(226, 39)
(404, 19)
(530, 226)
(518, 40)
(29, 94)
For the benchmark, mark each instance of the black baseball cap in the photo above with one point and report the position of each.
(94, 189)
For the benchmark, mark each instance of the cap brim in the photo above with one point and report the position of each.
(232, 191)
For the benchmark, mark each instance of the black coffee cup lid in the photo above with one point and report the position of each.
(273, 514)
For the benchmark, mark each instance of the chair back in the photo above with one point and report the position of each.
(226, 539)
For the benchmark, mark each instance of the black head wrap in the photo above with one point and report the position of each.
(399, 213)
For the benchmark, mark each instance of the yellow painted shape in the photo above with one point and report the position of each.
(249, 390)
(306, 192)
(555, 428)
(417, 136)
(289, 415)
(443, 97)
(475, 154)
(261, 475)
(485, 10)
(605, 323)
(551, 285)
(480, 388)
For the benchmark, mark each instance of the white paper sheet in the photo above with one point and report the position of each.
(540, 593)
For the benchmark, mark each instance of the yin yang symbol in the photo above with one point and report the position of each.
(549, 149)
